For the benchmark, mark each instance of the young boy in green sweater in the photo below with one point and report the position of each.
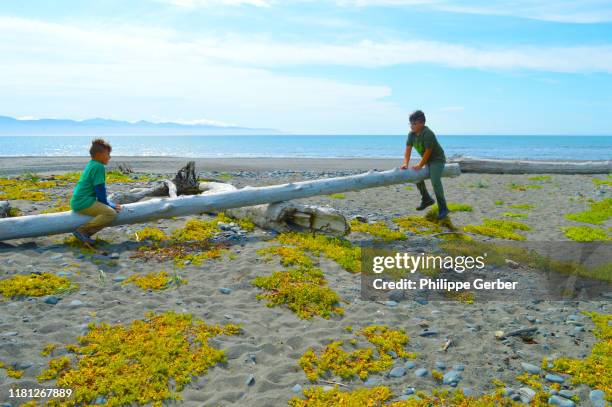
(89, 196)
(432, 155)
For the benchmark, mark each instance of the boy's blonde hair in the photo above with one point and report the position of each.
(99, 145)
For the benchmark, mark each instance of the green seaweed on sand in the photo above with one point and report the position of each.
(607, 181)
(498, 228)
(545, 178)
(360, 362)
(521, 206)
(148, 361)
(303, 290)
(24, 189)
(515, 215)
(378, 229)
(339, 250)
(190, 244)
(586, 233)
(380, 396)
(337, 196)
(523, 187)
(599, 212)
(290, 256)
(594, 370)
(154, 280)
(35, 285)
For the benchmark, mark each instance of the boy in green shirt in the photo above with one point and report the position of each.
(89, 196)
(432, 155)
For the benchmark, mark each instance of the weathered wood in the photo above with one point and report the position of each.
(63, 222)
(125, 168)
(5, 209)
(186, 180)
(493, 166)
(284, 216)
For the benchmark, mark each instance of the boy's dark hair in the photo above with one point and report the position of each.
(417, 116)
(99, 145)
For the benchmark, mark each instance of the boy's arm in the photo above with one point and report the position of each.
(424, 159)
(101, 195)
(406, 156)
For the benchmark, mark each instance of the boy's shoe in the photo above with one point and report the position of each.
(83, 238)
(425, 204)
(442, 213)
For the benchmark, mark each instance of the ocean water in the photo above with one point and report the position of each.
(516, 147)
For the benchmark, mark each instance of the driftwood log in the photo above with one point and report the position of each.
(157, 208)
(5, 209)
(284, 216)
(492, 166)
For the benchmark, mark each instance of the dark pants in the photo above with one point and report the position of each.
(435, 174)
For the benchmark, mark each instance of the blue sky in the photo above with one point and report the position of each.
(314, 67)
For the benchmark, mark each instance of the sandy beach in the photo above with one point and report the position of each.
(262, 361)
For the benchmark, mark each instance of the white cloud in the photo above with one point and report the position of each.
(582, 11)
(53, 70)
(371, 54)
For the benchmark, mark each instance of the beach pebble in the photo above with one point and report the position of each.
(409, 391)
(460, 367)
(597, 398)
(421, 372)
(391, 303)
(427, 333)
(250, 380)
(451, 377)
(23, 365)
(397, 371)
(554, 378)
(297, 388)
(10, 333)
(560, 401)
(467, 391)
(114, 255)
(410, 365)
(532, 369)
(76, 303)
(51, 299)
(566, 393)
(421, 301)
(440, 365)
(370, 382)
(224, 290)
(118, 279)
(100, 400)
(511, 263)
(526, 394)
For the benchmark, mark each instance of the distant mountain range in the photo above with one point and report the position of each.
(10, 126)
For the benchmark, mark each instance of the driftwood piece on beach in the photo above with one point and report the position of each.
(284, 216)
(157, 208)
(493, 166)
(125, 168)
(185, 182)
(5, 209)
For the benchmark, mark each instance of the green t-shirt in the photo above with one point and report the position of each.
(84, 194)
(426, 139)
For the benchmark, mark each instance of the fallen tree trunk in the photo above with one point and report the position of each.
(185, 182)
(284, 216)
(63, 222)
(491, 166)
